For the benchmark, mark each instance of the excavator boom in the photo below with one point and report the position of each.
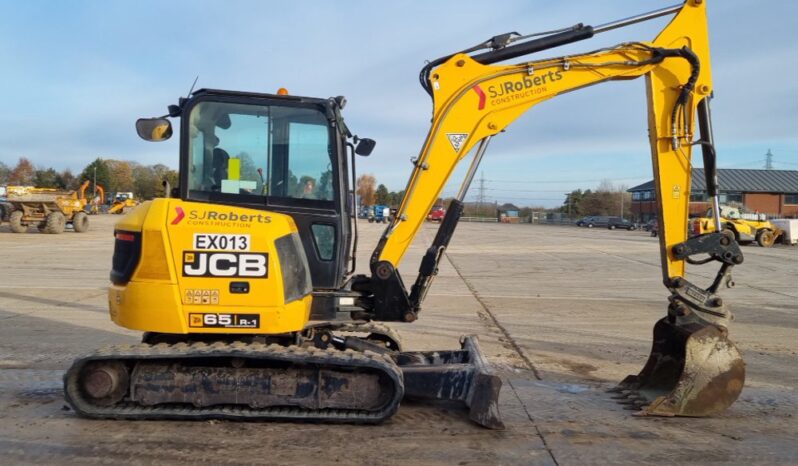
(474, 100)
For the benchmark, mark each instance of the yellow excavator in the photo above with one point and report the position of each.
(244, 284)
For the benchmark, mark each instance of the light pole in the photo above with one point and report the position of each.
(570, 200)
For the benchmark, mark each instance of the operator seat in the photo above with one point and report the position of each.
(219, 168)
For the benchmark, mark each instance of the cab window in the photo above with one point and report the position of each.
(256, 151)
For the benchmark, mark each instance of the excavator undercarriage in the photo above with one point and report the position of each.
(259, 381)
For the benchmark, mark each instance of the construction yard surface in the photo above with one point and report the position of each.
(562, 312)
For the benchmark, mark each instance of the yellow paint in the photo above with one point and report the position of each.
(155, 298)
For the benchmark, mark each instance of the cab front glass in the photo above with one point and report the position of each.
(242, 153)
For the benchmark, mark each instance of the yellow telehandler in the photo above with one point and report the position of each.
(745, 226)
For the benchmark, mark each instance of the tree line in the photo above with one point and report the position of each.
(144, 181)
(371, 194)
(606, 199)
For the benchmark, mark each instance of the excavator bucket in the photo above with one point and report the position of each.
(693, 370)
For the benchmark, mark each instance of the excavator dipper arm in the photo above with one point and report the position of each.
(474, 100)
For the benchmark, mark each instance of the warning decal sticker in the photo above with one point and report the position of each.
(457, 140)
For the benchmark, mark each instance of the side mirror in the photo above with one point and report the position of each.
(154, 129)
(365, 146)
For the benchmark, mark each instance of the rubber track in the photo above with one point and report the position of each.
(330, 358)
(368, 327)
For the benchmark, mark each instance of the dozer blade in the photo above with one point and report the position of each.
(693, 370)
(461, 375)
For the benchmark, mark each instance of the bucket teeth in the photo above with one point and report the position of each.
(633, 401)
(624, 396)
(637, 408)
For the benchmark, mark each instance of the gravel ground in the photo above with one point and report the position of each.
(563, 313)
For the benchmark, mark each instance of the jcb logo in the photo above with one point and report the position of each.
(225, 264)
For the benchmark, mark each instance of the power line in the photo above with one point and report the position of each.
(769, 160)
(524, 198)
(567, 181)
(490, 199)
(526, 190)
(752, 162)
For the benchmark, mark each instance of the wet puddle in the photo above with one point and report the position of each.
(571, 388)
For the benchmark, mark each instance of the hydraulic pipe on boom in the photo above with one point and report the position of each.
(710, 165)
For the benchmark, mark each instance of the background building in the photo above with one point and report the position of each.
(771, 192)
(508, 213)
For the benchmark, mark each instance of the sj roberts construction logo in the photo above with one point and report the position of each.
(217, 218)
(180, 215)
(519, 89)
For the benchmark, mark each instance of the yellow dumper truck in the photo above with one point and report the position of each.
(49, 209)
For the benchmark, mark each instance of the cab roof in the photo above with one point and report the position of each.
(259, 95)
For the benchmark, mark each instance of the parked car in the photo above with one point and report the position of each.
(436, 214)
(618, 222)
(584, 221)
(605, 221)
(597, 221)
(649, 225)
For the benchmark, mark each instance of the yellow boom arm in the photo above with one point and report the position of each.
(473, 102)
(692, 364)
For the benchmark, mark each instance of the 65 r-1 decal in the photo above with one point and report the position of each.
(224, 320)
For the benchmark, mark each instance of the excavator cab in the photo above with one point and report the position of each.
(283, 153)
(286, 154)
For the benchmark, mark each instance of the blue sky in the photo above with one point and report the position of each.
(77, 74)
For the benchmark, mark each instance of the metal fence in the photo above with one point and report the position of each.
(479, 219)
(536, 217)
(551, 218)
